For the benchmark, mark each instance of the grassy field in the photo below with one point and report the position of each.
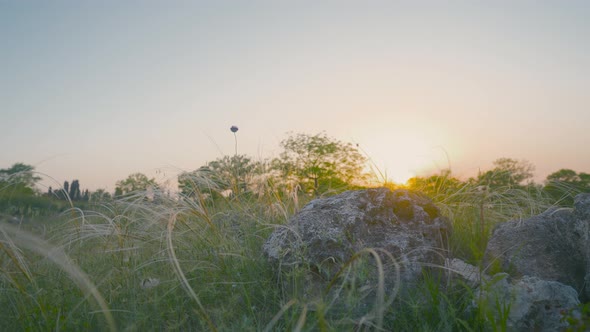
(161, 264)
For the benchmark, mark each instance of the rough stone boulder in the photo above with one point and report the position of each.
(529, 303)
(327, 232)
(523, 304)
(553, 246)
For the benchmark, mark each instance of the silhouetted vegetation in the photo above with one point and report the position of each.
(18, 195)
(320, 163)
(562, 186)
(136, 182)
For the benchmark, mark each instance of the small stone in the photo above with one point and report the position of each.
(148, 283)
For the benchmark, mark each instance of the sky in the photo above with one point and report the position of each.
(97, 90)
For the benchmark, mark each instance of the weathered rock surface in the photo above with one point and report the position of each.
(534, 304)
(582, 207)
(553, 246)
(328, 232)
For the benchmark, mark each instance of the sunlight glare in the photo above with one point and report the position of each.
(402, 155)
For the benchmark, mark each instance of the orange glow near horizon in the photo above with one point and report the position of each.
(399, 155)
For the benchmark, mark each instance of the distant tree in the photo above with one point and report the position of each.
(64, 192)
(320, 163)
(233, 172)
(19, 178)
(18, 195)
(221, 175)
(134, 183)
(563, 186)
(202, 181)
(66, 187)
(53, 194)
(437, 186)
(75, 190)
(100, 195)
(86, 196)
(564, 175)
(507, 172)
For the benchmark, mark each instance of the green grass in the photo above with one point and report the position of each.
(193, 265)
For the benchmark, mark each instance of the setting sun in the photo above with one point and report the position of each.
(399, 153)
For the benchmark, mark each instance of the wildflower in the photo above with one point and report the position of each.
(234, 129)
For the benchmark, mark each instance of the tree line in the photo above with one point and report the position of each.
(312, 165)
(308, 164)
(317, 165)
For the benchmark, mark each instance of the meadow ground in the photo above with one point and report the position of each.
(138, 264)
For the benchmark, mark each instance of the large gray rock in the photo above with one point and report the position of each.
(327, 232)
(529, 303)
(582, 207)
(553, 246)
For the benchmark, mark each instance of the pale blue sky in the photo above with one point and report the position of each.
(98, 90)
